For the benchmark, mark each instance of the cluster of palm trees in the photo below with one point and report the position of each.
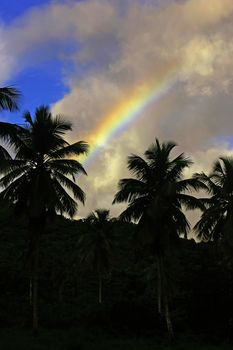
(40, 181)
(157, 197)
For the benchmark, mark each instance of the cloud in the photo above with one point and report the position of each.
(121, 45)
(7, 64)
(202, 13)
(150, 40)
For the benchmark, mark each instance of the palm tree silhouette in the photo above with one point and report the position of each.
(96, 245)
(217, 219)
(155, 200)
(36, 180)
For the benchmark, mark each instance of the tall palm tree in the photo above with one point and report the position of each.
(37, 178)
(217, 219)
(96, 245)
(156, 197)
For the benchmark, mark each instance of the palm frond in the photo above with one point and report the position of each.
(179, 224)
(211, 221)
(12, 134)
(9, 164)
(66, 166)
(76, 148)
(4, 155)
(9, 98)
(134, 211)
(130, 189)
(157, 152)
(75, 189)
(190, 202)
(12, 175)
(177, 166)
(211, 186)
(28, 118)
(15, 189)
(67, 204)
(139, 167)
(190, 185)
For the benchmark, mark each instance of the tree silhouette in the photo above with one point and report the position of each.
(217, 219)
(36, 180)
(96, 245)
(155, 200)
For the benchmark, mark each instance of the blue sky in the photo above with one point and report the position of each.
(41, 83)
(11, 9)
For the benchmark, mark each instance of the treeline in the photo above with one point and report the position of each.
(200, 287)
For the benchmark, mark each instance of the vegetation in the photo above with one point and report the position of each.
(139, 259)
(217, 219)
(9, 98)
(201, 293)
(156, 200)
(96, 245)
(34, 180)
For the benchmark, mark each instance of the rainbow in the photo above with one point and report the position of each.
(126, 112)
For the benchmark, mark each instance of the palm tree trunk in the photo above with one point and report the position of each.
(100, 288)
(168, 318)
(60, 291)
(159, 285)
(166, 301)
(30, 291)
(76, 287)
(35, 265)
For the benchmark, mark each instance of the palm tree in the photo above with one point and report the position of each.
(217, 219)
(156, 198)
(37, 178)
(96, 246)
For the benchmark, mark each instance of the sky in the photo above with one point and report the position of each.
(125, 72)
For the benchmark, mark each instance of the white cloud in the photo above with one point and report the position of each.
(7, 63)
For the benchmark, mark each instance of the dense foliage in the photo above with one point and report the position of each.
(200, 276)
